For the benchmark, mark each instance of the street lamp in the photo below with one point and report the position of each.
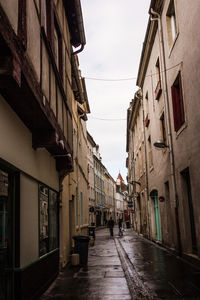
(133, 181)
(160, 145)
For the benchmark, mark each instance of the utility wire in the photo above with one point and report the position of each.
(107, 119)
(124, 79)
(131, 78)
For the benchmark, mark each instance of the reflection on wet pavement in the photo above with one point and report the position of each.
(155, 273)
(102, 279)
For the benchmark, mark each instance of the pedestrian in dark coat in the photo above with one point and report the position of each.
(120, 221)
(110, 225)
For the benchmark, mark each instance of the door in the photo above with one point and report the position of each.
(5, 237)
(154, 197)
(157, 219)
(187, 188)
(71, 218)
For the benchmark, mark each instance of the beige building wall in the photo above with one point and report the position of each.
(16, 148)
(179, 57)
(75, 204)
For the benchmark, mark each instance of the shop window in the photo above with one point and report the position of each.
(82, 208)
(53, 220)
(77, 206)
(48, 220)
(177, 100)
(3, 209)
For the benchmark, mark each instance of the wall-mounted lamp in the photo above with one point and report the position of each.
(160, 145)
(133, 181)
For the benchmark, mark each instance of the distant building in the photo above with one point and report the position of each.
(99, 188)
(121, 188)
(91, 188)
(137, 196)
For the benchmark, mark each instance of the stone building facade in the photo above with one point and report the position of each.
(168, 77)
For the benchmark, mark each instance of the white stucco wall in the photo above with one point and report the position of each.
(16, 148)
(29, 241)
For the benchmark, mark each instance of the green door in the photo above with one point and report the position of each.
(154, 197)
(157, 219)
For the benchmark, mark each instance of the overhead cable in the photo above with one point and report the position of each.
(130, 78)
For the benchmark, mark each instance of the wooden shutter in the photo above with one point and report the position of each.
(182, 113)
(175, 102)
(22, 24)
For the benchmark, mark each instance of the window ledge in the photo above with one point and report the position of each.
(184, 126)
(151, 169)
(173, 44)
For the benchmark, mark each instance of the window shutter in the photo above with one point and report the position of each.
(22, 23)
(182, 114)
(176, 112)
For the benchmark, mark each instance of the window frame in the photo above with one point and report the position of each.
(163, 129)
(158, 89)
(171, 15)
(178, 103)
(52, 25)
(47, 238)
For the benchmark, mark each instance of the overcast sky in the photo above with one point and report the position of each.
(115, 31)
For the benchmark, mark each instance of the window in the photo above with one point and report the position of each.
(82, 208)
(53, 220)
(171, 23)
(22, 22)
(77, 206)
(163, 129)
(54, 35)
(158, 89)
(177, 100)
(48, 220)
(150, 152)
(3, 209)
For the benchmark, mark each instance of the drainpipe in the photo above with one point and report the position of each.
(169, 130)
(80, 26)
(79, 50)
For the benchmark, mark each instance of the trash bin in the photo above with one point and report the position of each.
(91, 231)
(81, 247)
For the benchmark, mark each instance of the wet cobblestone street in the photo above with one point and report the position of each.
(125, 268)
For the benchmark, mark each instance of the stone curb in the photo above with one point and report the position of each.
(137, 288)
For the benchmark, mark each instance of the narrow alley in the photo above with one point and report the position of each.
(128, 267)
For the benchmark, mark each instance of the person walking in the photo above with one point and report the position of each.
(120, 221)
(110, 225)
